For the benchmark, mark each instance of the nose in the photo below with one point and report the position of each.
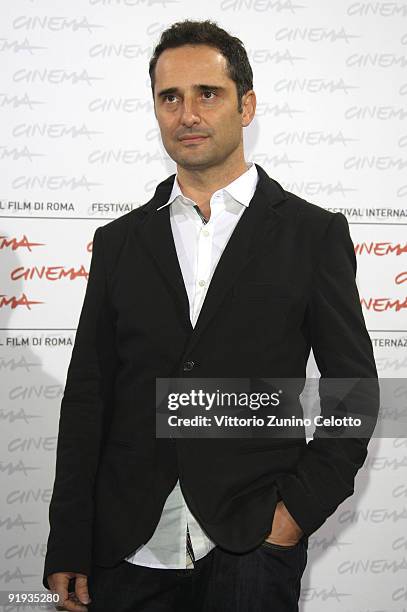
(189, 115)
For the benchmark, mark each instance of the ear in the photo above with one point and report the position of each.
(248, 107)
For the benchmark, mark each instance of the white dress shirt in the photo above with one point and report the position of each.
(199, 247)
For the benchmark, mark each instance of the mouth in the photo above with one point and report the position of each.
(193, 139)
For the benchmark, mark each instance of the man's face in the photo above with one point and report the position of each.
(193, 96)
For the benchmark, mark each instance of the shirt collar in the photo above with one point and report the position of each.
(241, 189)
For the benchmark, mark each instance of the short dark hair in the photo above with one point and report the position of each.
(191, 32)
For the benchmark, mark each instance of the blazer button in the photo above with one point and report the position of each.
(188, 365)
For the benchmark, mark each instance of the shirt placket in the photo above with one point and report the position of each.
(203, 266)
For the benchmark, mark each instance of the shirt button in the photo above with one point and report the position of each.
(205, 233)
(188, 365)
(202, 283)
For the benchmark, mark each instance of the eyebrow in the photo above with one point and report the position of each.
(200, 87)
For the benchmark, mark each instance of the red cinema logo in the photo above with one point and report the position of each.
(14, 243)
(380, 248)
(13, 301)
(51, 273)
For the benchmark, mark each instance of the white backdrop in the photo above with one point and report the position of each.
(80, 146)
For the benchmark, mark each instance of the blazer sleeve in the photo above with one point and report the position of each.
(81, 425)
(325, 474)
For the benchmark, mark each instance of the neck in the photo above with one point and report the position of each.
(200, 184)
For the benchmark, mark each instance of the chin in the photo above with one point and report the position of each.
(196, 161)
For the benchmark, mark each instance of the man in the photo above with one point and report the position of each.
(221, 274)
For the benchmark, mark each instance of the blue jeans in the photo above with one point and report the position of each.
(267, 579)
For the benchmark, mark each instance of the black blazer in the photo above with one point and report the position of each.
(285, 283)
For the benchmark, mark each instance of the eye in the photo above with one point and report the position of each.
(169, 96)
(208, 91)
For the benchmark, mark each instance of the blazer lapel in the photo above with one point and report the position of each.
(156, 235)
(257, 224)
